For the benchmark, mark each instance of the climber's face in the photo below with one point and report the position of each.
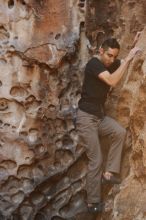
(108, 56)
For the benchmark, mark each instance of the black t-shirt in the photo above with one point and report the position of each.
(94, 90)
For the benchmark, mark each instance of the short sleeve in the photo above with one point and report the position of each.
(95, 67)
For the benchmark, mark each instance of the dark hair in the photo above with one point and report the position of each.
(110, 42)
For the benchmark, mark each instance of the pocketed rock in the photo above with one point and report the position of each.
(44, 46)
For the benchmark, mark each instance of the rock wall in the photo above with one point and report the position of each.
(44, 46)
(131, 112)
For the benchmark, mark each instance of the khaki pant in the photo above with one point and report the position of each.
(89, 128)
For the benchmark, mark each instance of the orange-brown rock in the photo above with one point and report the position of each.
(44, 46)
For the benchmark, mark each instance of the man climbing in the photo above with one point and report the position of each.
(102, 72)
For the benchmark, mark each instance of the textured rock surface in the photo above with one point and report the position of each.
(44, 46)
(133, 115)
